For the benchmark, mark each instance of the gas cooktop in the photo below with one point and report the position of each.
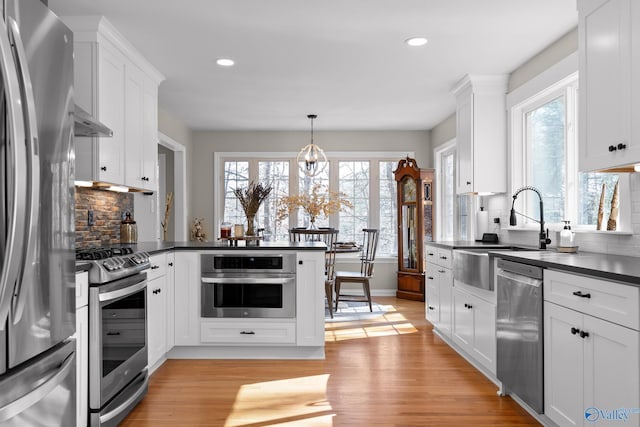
(109, 264)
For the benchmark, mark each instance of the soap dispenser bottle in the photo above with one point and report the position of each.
(566, 235)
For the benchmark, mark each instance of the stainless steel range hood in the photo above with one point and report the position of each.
(87, 125)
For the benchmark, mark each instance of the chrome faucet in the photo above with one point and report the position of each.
(543, 237)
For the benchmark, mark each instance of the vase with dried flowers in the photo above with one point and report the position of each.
(319, 202)
(251, 197)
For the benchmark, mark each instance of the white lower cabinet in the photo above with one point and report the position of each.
(157, 313)
(474, 327)
(439, 287)
(82, 348)
(591, 369)
(187, 298)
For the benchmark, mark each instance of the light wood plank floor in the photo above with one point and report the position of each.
(389, 371)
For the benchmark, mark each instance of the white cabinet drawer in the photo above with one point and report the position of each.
(238, 331)
(615, 302)
(445, 258)
(158, 266)
(430, 254)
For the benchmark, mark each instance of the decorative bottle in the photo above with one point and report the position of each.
(566, 235)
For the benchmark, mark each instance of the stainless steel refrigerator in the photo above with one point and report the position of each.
(37, 261)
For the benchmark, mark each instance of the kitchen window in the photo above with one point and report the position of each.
(545, 155)
(366, 179)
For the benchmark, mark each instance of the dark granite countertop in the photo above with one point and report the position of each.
(465, 244)
(157, 247)
(612, 267)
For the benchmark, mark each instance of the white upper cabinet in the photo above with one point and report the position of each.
(609, 32)
(481, 134)
(120, 88)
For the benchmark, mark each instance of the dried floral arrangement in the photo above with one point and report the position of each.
(252, 196)
(320, 202)
(197, 230)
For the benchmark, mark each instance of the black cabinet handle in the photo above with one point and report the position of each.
(430, 253)
(103, 168)
(431, 307)
(443, 257)
(300, 262)
(612, 148)
(574, 331)
(622, 146)
(470, 307)
(466, 305)
(441, 271)
(430, 277)
(170, 264)
(113, 333)
(468, 182)
(584, 334)
(155, 267)
(247, 333)
(581, 295)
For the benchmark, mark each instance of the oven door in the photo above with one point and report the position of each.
(117, 337)
(249, 297)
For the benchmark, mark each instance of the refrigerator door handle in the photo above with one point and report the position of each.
(39, 393)
(16, 203)
(33, 161)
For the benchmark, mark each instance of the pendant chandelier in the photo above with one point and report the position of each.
(311, 159)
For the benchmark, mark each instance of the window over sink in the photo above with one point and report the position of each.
(544, 152)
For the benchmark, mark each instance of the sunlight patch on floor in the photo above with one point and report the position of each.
(389, 323)
(289, 402)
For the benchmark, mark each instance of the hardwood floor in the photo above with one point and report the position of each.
(389, 371)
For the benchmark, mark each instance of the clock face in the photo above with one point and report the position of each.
(408, 189)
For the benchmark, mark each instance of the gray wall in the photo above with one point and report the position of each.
(444, 131)
(205, 144)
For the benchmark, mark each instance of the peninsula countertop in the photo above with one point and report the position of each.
(157, 247)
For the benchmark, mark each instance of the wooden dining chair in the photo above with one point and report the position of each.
(329, 236)
(367, 258)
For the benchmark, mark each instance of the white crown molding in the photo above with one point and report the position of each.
(97, 29)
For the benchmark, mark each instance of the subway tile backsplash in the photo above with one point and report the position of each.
(107, 207)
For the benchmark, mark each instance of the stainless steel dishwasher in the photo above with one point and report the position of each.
(519, 332)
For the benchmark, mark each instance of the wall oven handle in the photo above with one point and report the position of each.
(118, 409)
(248, 280)
(29, 268)
(28, 400)
(111, 295)
(15, 204)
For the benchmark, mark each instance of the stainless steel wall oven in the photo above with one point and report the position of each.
(248, 285)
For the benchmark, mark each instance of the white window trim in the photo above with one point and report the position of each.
(438, 152)
(255, 156)
(540, 87)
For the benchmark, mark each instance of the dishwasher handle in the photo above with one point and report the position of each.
(520, 279)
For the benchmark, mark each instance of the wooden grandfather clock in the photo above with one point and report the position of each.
(415, 226)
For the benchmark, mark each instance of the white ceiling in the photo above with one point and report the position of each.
(344, 60)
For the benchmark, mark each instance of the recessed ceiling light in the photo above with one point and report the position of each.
(416, 41)
(224, 62)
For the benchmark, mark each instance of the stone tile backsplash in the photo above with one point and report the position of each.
(107, 207)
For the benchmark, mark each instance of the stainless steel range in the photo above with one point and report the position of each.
(118, 377)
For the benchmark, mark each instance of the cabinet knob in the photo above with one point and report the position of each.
(622, 146)
(466, 305)
(574, 331)
(431, 307)
(584, 334)
(103, 168)
(300, 262)
(468, 182)
(170, 264)
(612, 148)
(469, 306)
